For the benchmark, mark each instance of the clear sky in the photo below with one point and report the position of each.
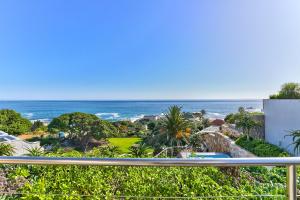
(140, 49)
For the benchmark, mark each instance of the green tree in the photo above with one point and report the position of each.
(13, 123)
(38, 126)
(203, 112)
(173, 130)
(82, 127)
(6, 149)
(246, 122)
(288, 91)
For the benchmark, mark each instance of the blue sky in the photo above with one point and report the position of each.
(158, 49)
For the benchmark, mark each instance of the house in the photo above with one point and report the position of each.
(217, 122)
(20, 146)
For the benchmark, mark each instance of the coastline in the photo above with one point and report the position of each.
(124, 110)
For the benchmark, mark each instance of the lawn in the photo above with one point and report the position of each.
(123, 143)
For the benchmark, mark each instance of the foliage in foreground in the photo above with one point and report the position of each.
(6, 149)
(44, 182)
(260, 147)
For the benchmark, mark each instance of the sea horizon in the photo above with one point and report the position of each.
(115, 110)
(235, 99)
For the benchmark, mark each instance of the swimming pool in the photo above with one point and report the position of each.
(204, 155)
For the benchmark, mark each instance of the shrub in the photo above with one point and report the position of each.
(35, 151)
(13, 123)
(230, 118)
(38, 126)
(261, 148)
(6, 149)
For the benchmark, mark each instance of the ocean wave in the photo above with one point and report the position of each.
(253, 110)
(215, 115)
(108, 116)
(137, 117)
(28, 115)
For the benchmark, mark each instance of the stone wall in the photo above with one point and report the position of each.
(259, 132)
(230, 131)
(217, 142)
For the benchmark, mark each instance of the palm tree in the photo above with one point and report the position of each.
(175, 127)
(6, 149)
(246, 122)
(296, 140)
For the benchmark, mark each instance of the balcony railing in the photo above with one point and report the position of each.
(289, 162)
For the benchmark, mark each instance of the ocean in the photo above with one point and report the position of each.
(129, 110)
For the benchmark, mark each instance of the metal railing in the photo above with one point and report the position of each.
(289, 162)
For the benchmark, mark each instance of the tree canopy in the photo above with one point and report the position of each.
(13, 123)
(82, 127)
(172, 130)
(288, 91)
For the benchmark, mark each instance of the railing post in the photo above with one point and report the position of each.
(291, 182)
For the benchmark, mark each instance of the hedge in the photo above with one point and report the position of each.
(260, 147)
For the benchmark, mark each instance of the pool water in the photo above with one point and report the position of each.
(207, 155)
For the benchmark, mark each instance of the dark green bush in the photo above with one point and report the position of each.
(230, 118)
(13, 123)
(261, 148)
(288, 91)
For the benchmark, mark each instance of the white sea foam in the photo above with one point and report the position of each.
(215, 115)
(108, 116)
(28, 115)
(137, 117)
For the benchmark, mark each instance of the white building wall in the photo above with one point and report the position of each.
(281, 116)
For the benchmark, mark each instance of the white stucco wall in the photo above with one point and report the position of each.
(281, 116)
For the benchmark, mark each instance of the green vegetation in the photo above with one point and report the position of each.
(139, 150)
(82, 128)
(296, 140)
(260, 147)
(13, 123)
(173, 130)
(233, 117)
(130, 129)
(38, 126)
(288, 91)
(45, 182)
(6, 149)
(246, 122)
(124, 144)
(36, 151)
(95, 182)
(243, 120)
